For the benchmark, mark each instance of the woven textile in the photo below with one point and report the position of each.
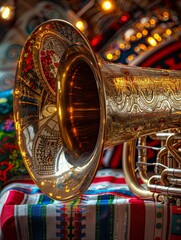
(107, 210)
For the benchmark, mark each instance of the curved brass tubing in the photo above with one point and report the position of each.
(142, 158)
(171, 147)
(160, 189)
(129, 172)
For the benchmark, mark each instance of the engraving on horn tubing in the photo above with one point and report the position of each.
(64, 126)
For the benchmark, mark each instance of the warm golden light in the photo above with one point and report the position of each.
(142, 47)
(130, 58)
(80, 25)
(67, 189)
(109, 56)
(145, 32)
(166, 15)
(74, 130)
(139, 35)
(133, 38)
(107, 5)
(122, 45)
(119, 83)
(152, 21)
(6, 12)
(168, 31)
(157, 37)
(152, 41)
(71, 110)
(117, 52)
(23, 153)
(16, 91)
(147, 25)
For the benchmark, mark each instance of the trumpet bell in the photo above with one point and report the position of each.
(35, 112)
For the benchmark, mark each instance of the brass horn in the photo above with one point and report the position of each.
(69, 107)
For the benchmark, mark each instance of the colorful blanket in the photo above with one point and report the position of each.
(107, 210)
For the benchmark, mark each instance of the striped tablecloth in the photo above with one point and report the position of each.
(107, 210)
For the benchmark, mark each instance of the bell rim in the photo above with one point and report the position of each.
(43, 181)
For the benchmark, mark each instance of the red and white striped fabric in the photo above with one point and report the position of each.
(107, 210)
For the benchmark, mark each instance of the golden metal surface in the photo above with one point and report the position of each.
(35, 111)
(69, 107)
(133, 102)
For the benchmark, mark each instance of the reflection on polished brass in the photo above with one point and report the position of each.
(69, 107)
